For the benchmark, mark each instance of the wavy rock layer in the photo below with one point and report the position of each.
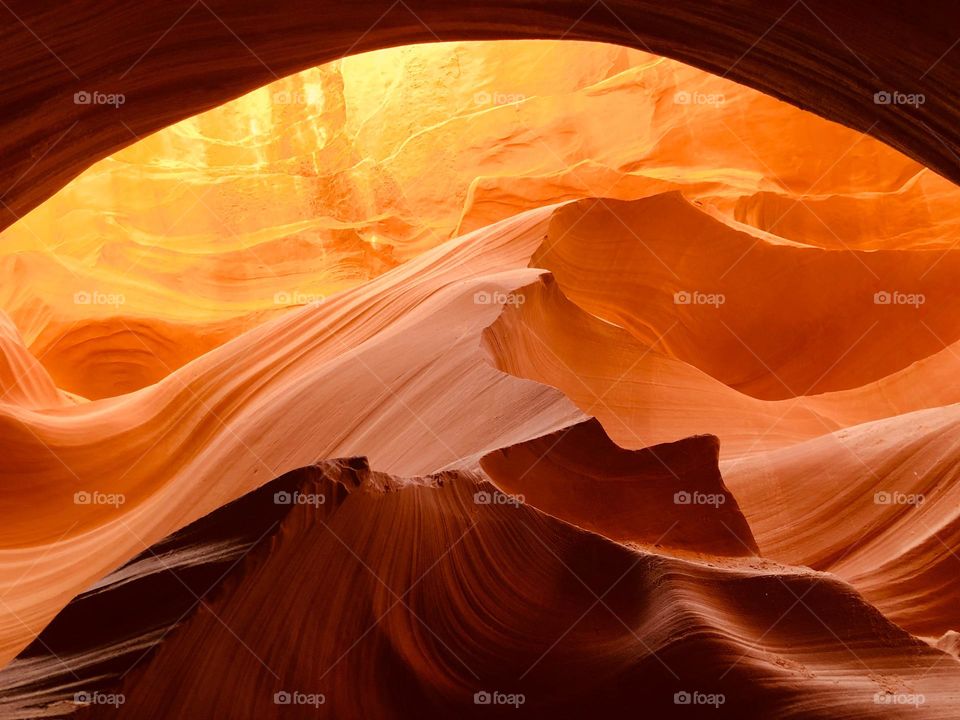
(876, 504)
(328, 178)
(23, 380)
(642, 396)
(219, 428)
(745, 310)
(116, 475)
(667, 495)
(569, 626)
(711, 338)
(113, 627)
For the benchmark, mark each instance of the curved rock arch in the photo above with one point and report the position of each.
(174, 58)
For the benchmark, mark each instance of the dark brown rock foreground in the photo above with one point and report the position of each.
(382, 597)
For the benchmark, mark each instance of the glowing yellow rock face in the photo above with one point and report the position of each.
(327, 178)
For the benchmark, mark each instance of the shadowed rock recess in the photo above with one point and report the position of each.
(583, 360)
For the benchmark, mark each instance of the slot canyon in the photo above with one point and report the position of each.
(482, 360)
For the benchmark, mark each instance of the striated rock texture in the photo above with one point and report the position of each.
(416, 368)
(413, 589)
(359, 373)
(109, 630)
(538, 379)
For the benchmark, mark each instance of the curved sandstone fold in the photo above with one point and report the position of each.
(746, 307)
(393, 369)
(643, 397)
(668, 495)
(876, 504)
(416, 583)
(23, 380)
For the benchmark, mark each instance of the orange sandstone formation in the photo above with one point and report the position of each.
(451, 619)
(668, 495)
(328, 178)
(535, 379)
